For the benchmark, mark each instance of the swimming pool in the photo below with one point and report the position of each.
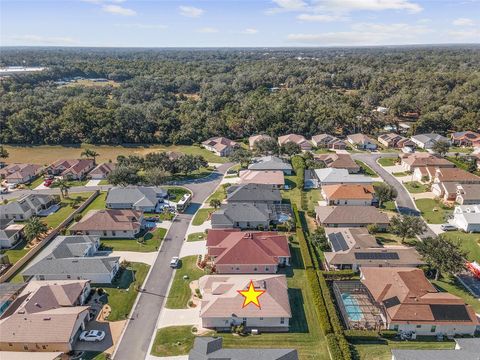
(352, 308)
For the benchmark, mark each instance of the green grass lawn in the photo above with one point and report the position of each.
(147, 243)
(453, 286)
(427, 206)
(201, 216)
(180, 291)
(17, 252)
(97, 204)
(53, 220)
(389, 206)
(176, 192)
(293, 195)
(173, 341)
(415, 187)
(38, 181)
(392, 239)
(122, 293)
(196, 236)
(219, 194)
(197, 174)
(104, 182)
(70, 183)
(383, 352)
(468, 242)
(365, 169)
(386, 161)
(401, 173)
(313, 197)
(460, 163)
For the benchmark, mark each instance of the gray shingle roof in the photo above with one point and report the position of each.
(87, 265)
(206, 348)
(73, 246)
(135, 195)
(423, 138)
(469, 350)
(227, 215)
(270, 163)
(253, 193)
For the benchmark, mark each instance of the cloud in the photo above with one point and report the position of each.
(191, 11)
(143, 26)
(365, 34)
(290, 4)
(463, 22)
(249, 31)
(29, 39)
(319, 18)
(466, 35)
(118, 10)
(207, 30)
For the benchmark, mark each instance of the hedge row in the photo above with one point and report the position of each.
(298, 164)
(318, 301)
(338, 275)
(307, 259)
(333, 347)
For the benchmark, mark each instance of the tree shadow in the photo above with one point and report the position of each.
(192, 208)
(298, 322)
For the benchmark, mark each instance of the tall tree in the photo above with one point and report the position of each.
(156, 176)
(215, 203)
(385, 192)
(407, 226)
(443, 255)
(3, 152)
(64, 186)
(441, 147)
(265, 147)
(90, 154)
(34, 228)
(242, 156)
(290, 148)
(124, 175)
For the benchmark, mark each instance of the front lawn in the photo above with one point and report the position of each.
(468, 242)
(122, 292)
(37, 182)
(432, 211)
(180, 292)
(66, 208)
(201, 216)
(70, 183)
(387, 161)
(451, 285)
(365, 169)
(198, 236)
(415, 187)
(147, 243)
(401, 173)
(219, 194)
(176, 193)
(173, 341)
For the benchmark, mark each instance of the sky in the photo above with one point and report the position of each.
(237, 23)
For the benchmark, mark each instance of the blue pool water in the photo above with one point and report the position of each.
(351, 307)
(283, 218)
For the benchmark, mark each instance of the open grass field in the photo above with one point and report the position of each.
(46, 154)
(432, 211)
(147, 243)
(468, 242)
(387, 161)
(122, 293)
(180, 291)
(173, 341)
(201, 216)
(53, 220)
(415, 187)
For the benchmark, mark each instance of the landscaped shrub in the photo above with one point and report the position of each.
(334, 347)
(319, 303)
(307, 259)
(298, 164)
(388, 334)
(339, 275)
(362, 335)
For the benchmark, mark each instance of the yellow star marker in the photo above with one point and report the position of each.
(251, 295)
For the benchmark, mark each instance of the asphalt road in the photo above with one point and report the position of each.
(405, 204)
(136, 339)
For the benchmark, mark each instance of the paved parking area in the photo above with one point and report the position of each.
(471, 283)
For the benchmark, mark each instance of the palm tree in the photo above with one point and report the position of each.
(63, 186)
(3, 152)
(215, 203)
(34, 228)
(89, 153)
(76, 201)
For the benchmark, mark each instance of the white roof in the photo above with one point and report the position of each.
(329, 175)
(471, 213)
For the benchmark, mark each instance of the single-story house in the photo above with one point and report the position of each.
(351, 216)
(247, 252)
(110, 223)
(465, 349)
(465, 138)
(274, 178)
(468, 194)
(209, 348)
(20, 173)
(47, 316)
(349, 194)
(411, 303)
(9, 291)
(243, 216)
(222, 304)
(254, 193)
(332, 176)
(26, 206)
(220, 146)
(305, 145)
(328, 142)
(141, 198)
(72, 169)
(338, 161)
(10, 233)
(353, 248)
(361, 141)
(271, 163)
(73, 257)
(101, 171)
(426, 141)
(392, 140)
(467, 217)
(445, 181)
(422, 159)
(254, 138)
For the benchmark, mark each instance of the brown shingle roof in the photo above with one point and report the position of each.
(348, 191)
(421, 159)
(350, 215)
(455, 174)
(338, 161)
(109, 219)
(267, 177)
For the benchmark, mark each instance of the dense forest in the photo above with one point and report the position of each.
(184, 96)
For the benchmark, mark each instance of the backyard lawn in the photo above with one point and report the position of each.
(386, 161)
(365, 169)
(432, 211)
(147, 243)
(180, 290)
(453, 286)
(53, 220)
(173, 341)
(392, 239)
(415, 187)
(17, 252)
(198, 236)
(97, 204)
(468, 242)
(122, 293)
(201, 216)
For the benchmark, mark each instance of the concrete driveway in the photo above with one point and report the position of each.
(93, 182)
(179, 317)
(193, 248)
(131, 256)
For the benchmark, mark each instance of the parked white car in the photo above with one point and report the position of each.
(448, 227)
(92, 335)
(174, 262)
